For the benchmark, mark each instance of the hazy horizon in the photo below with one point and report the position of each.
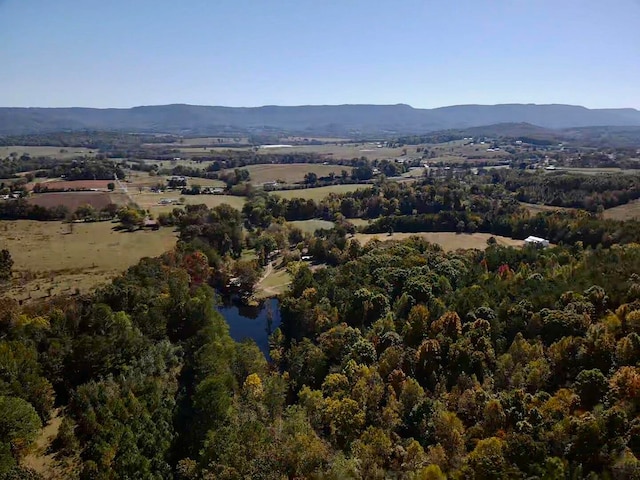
(325, 105)
(247, 53)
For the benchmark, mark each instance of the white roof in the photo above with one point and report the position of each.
(531, 238)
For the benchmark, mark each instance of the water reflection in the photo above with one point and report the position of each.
(256, 323)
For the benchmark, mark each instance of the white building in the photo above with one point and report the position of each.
(537, 241)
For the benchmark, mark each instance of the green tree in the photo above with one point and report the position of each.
(311, 178)
(131, 218)
(6, 264)
(591, 386)
(487, 461)
(19, 424)
(86, 212)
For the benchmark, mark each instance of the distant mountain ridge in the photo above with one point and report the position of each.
(345, 120)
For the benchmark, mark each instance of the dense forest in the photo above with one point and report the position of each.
(394, 359)
(400, 361)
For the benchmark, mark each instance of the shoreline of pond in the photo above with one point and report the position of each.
(256, 322)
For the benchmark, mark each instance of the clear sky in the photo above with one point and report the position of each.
(427, 53)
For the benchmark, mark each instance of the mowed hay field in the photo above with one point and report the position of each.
(71, 185)
(150, 201)
(56, 152)
(137, 180)
(51, 255)
(624, 212)
(320, 192)
(73, 200)
(342, 151)
(310, 226)
(290, 173)
(449, 241)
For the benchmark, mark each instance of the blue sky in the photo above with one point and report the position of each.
(425, 53)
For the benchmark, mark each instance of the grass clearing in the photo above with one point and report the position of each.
(63, 153)
(449, 241)
(291, 172)
(628, 211)
(150, 201)
(310, 226)
(274, 283)
(594, 170)
(319, 193)
(201, 141)
(73, 200)
(535, 208)
(358, 222)
(47, 255)
(141, 180)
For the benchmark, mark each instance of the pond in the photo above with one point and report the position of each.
(256, 323)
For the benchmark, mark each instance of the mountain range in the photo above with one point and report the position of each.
(340, 120)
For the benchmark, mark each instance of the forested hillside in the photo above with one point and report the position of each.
(394, 359)
(337, 120)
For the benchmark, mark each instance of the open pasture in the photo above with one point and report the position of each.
(62, 153)
(63, 257)
(201, 141)
(137, 180)
(628, 211)
(449, 241)
(319, 193)
(73, 200)
(151, 201)
(290, 173)
(310, 226)
(54, 184)
(535, 208)
(338, 151)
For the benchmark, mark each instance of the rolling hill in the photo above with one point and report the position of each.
(306, 120)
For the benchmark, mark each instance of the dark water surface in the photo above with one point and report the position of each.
(256, 323)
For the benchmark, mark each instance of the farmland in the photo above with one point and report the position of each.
(53, 184)
(534, 208)
(142, 180)
(330, 150)
(624, 212)
(449, 241)
(73, 200)
(310, 226)
(52, 255)
(320, 192)
(290, 173)
(55, 152)
(150, 201)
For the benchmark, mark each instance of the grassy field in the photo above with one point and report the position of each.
(449, 241)
(320, 192)
(56, 152)
(149, 201)
(595, 170)
(209, 141)
(534, 208)
(310, 226)
(624, 212)
(47, 255)
(136, 180)
(343, 151)
(275, 283)
(290, 173)
(358, 222)
(73, 200)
